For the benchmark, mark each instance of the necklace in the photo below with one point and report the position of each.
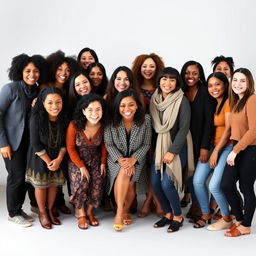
(54, 135)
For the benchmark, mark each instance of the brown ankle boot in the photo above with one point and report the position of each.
(44, 220)
(54, 220)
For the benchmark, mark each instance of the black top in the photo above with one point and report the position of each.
(201, 125)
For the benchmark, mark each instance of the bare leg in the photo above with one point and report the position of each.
(92, 220)
(52, 192)
(128, 202)
(40, 194)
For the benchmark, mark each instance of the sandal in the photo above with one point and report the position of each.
(202, 222)
(235, 232)
(92, 220)
(161, 223)
(118, 227)
(81, 222)
(175, 225)
(127, 219)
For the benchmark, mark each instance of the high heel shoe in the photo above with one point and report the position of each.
(175, 225)
(44, 220)
(184, 203)
(54, 220)
(118, 227)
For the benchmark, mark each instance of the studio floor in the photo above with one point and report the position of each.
(140, 238)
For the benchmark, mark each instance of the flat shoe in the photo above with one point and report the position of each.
(219, 225)
(81, 222)
(235, 232)
(92, 220)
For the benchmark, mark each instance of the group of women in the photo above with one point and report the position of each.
(148, 130)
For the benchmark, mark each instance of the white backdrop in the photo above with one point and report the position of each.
(119, 30)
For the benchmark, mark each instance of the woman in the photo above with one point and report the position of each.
(201, 125)
(146, 68)
(26, 72)
(97, 73)
(241, 161)
(127, 139)
(224, 65)
(87, 56)
(60, 69)
(80, 84)
(218, 89)
(122, 79)
(170, 113)
(87, 152)
(47, 126)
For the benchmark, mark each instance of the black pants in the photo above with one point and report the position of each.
(16, 187)
(243, 171)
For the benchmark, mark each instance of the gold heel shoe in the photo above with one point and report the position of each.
(118, 227)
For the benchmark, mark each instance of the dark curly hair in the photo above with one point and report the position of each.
(201, 82)
(39, 113)
(173, 73)
(111, 91)
(78, 116)
(21, 61)
(87, 49)
(224, 79)
(139, 116)
(55, 60)
(101, 88)
(229, 60)
(73, 97)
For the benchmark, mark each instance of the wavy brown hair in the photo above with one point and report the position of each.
(137, 63)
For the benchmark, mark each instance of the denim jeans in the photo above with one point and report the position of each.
(164, 187)
(202, 172)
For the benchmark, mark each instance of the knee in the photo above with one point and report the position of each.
(167, 184)
(198, 182)
(214, 187)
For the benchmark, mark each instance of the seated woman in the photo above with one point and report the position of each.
(87, 152)
(170, 113)
(48, 125)
(127, 139)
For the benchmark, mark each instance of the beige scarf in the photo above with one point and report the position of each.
(169, 108)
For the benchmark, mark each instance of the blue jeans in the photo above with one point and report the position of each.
(202, 172)
(164, 188)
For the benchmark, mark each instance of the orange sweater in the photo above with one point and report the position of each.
(243, 125)
(71, 146)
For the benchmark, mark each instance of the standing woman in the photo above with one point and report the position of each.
(170, 113)
(47, 126)
(224, 65)
(218, 89)
(201, 125)
(88, 156)
(99, 78)
(241, 161)
(146, 68)
(15, 104)
(87, 56)
(127, 139)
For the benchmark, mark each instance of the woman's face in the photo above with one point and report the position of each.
(62, 73)
(53, 105)
(192, 75)
(86, 59)
(127, 108)
(82, 85)
(167, 85)
(30, 74)
(216, 87)
(239, 84)
(148, 69)
(121, 81)
(96, 76)
(93, 112)
(224, 68)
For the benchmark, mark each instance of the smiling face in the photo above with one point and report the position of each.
(148, 69)
(192, 75)
(127, 108)
(167, 85)
(239, 84)
(86, 59)
(53, 105)
(82, 85)
(96, 76)
(62, 73)
(224, 68)
(121, 81)
(216, 88)
(93, 112)
(30, 74)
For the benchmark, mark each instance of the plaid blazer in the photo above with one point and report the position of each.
(116, 144)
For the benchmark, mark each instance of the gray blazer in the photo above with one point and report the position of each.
(12, 114)
(116, 144)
